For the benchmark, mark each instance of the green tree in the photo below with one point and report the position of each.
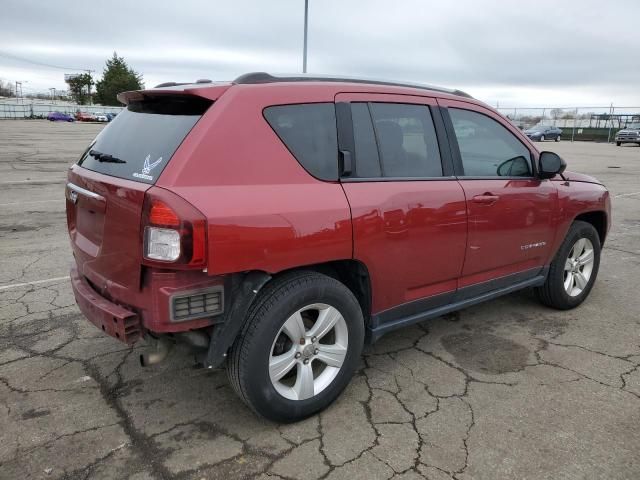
(117, 77)
(79, 88)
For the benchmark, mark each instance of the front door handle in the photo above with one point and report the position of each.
(486, 198)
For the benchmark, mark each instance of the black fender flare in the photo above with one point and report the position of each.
(244, 289)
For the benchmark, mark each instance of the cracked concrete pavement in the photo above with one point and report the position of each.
(508, 389)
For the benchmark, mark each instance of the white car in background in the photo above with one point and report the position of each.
(101, 117)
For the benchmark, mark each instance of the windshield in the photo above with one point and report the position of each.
(140, 141)
(633, 126)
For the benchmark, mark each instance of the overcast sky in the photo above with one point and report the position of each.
(551, 53)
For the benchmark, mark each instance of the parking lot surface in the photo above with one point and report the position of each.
(508, 389)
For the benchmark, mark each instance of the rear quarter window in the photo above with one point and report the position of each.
(309, 132)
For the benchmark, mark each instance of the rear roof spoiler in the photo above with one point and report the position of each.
(203, 88)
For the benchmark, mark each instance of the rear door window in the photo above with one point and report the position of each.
(140, 141)
(405, 136)
(309, 132)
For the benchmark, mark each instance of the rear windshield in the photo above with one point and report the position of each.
(141, 140)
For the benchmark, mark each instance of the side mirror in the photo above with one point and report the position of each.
(550, 165)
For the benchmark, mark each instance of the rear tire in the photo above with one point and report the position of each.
(574, 269)
(286, 379)
(558, 138)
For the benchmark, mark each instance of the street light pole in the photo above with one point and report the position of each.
(306, 21)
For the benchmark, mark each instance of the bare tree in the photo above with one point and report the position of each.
(6, 89)
(556, 113)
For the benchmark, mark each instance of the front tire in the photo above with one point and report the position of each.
(299, 348)
(618, 144)
(574, 269)
(542, 139)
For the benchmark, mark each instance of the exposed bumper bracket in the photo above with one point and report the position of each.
(112, 319)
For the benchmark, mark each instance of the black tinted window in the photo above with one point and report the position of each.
(407, 140)
(309, 132)
(487, 148)
(141, 140)
(367, 160)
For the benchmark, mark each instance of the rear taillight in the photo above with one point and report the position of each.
(174, 231)
(161, 214)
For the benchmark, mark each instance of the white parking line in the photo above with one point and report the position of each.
(36, 282)
(28, 203)
(626, 194)
(43, 181)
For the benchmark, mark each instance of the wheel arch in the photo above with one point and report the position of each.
(599, 221)
(244, 288)
(352, 273)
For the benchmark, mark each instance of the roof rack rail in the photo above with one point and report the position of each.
(264, 77)
(176, 84)
(170, 84)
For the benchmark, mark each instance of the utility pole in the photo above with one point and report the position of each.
(306, 21)
(52, 92)
(19, 84)
(89, 85)
(611, 110)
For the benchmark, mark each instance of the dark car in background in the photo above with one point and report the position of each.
(630, 134)
(60, 117)
(540, 133)
(110, 115)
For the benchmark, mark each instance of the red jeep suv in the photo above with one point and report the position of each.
(276, 224)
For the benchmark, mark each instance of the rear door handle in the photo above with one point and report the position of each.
(486, 199)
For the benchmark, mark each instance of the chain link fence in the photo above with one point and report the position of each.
(577, 123)
(35, 110)
(598, 124)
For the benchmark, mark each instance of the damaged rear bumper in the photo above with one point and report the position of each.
(120, 323)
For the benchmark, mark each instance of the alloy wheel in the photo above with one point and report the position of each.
(308, 351)
(578, 267)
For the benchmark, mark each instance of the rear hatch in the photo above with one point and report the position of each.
(106, 188)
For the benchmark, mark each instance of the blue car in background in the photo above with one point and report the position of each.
(60, 117)
(110, 116)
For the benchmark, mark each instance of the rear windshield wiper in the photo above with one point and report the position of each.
(105, 157)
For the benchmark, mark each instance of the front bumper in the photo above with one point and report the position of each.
(120, 323)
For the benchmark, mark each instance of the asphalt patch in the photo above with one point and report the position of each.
(486, 353)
